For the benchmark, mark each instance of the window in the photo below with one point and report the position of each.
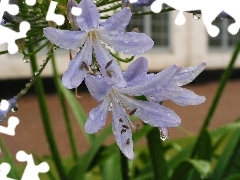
(155, 25)
(224, 40)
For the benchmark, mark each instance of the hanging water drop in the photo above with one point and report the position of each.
(15, 108)
(36, 73)
(163, 134)
(197, 16)
(26, 59)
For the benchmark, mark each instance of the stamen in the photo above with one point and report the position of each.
(132, 112)
(109, 73)
(135, 30)
(120, 120)
(123, 130)
(137, 128)
(84, 66)
(108, 64)
(98, 66)
(125, 126)
(76, 93)
(128, 141)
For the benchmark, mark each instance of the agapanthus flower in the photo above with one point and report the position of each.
(6, 106)
(92, 34)
(157, 87)
(139, 2)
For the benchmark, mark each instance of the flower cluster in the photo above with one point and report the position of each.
(113, 88)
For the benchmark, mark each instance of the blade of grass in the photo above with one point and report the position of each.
(14, 170)
(78, 112)
(64, 110)
(45, 117)
(156, 150)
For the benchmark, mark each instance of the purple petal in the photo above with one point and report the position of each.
(97, 86)
(74, 75)
(143, 3)
(122, 135)
(103, 57)
(97, 117)
(5, 110)
(117, 23)
(187, 97)
(136, 71)
(188, 74)
(131, 43)
(89, 17)
(152, 113)
(64, 38)
(151, 83)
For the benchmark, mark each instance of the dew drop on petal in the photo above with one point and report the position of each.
(15, 108)
(163, 134)
(110, 107)
(197, 16)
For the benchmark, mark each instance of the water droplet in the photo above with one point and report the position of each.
(36, 73)
(163, 134)
(26, 59)
(197, 16)
(28, 85)
(15, 108)
(110, 107)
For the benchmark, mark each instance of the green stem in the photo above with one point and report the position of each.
(226, 75)
(46, 118)
(124, 166)
(65, 111)
(156, 150)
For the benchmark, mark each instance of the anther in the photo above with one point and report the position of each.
(128, 141)
(135, 30)
(108, 64)
(123, 130)
(125, 126)
(120, 120)
(109, 73)
(84, 66)
(132, 112)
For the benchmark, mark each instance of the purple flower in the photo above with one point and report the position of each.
(139, 2)
(6, 106)
(92, 34)
(157, 87)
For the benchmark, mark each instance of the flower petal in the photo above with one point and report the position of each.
(151, 83)
(6, 106)
(116, 23)
(64, 38)
(188, 74)
(74, 75)
(122, 135)
(97, 86)
(132, 43)
(187, 97)
(89, 17)
(103, 57)
(136, 71)
(97, 117)
(152, 113)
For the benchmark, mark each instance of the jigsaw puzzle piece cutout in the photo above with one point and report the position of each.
(31, 170)
(12, 9)
(10, 129)
(30, 2)
(4, 170)
(51, 16)
(9, 36)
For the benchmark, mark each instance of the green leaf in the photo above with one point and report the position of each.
(85, 160)
(186, 170)
(156, 149)
(229, 155)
